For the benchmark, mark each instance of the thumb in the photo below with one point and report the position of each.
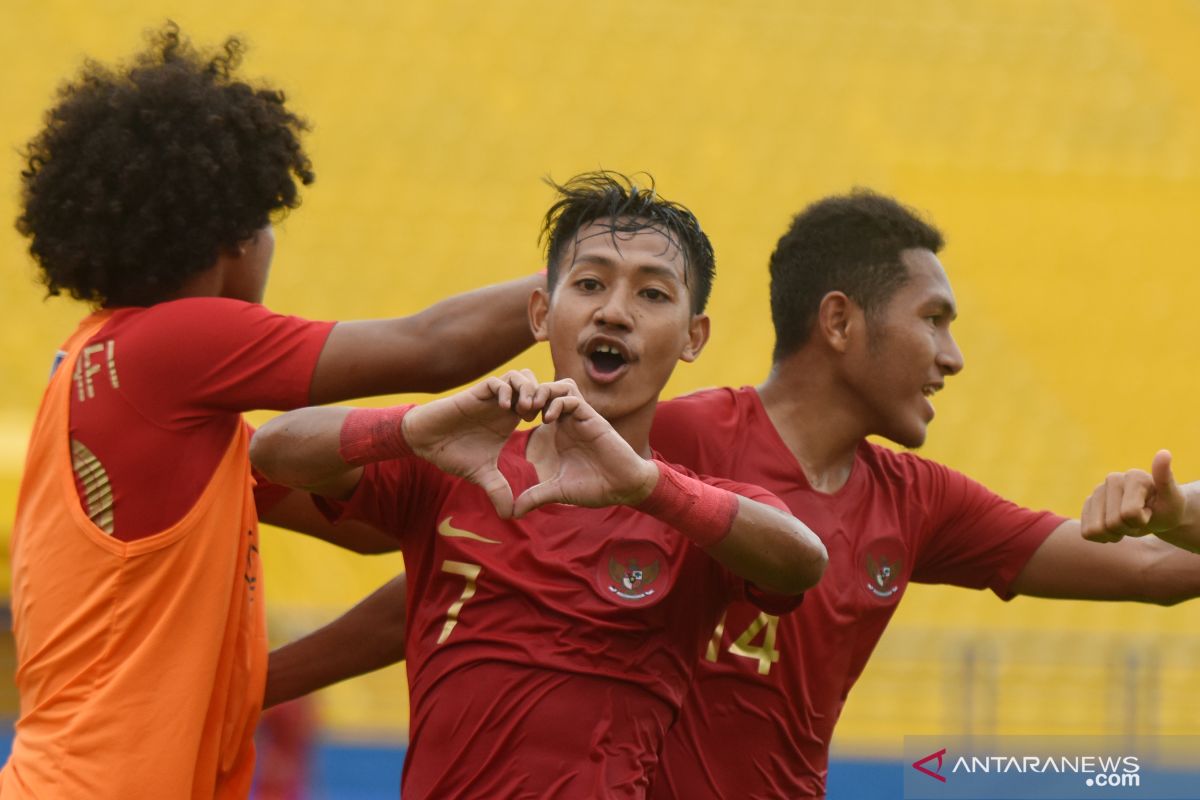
(1164, 479)
(498, 491)
(536, 496)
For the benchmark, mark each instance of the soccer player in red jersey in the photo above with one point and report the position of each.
(556, 632)
(137, 600)
(862, 310)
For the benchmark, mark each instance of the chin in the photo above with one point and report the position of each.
(911, 438)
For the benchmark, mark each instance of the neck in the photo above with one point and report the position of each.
(816, 418)
(634, 428)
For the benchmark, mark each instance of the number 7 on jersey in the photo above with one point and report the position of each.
(471, 573)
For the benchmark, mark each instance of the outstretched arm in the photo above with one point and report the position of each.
(1121, 561)
(445, 345)
(322, 450)
(1146, 570)
(370, 636)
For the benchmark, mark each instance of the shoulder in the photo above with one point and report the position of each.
(709, 414)
(901, 466)
(720, 401)
(207, 313)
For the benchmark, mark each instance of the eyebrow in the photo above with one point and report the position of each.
(945, 307)
(652, 269)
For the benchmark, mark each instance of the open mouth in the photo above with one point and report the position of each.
(928, 391)
(606, 361)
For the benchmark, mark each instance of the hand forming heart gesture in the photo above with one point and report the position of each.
(591, 465)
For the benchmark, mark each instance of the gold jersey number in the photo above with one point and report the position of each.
(765, 653)
(471, 573)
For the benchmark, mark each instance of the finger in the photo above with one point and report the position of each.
(511, 382)
(562, 388)
(536, 496)
(560, 407)
(1160, 469)
(1126, 493)
(570, 387)
(493, 482)
(1089, 524)
(541, 397)
(1137, 490)
(1113, 491)
(524, 401)
(529, 386)
(1091, 520)
(503, 393)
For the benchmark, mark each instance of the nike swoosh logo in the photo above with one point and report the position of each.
(450, 532)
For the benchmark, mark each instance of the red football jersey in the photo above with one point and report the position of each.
(158, 392)
(769, 690)
(547, 656)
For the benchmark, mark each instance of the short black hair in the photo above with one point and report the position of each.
(629, 208)
(849, 243)
(144, 174)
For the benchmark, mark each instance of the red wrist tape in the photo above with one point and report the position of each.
(374, 434)
(701, 512)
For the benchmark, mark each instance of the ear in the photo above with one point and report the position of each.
(838, 320)
(539, 312)
(698, 330)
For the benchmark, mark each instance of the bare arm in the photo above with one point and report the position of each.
(446, 345)
(370, 636)
(774, 550)
(300, 449)
(296, 512)
(1148, 570)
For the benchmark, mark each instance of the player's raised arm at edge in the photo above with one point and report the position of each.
(448, 344)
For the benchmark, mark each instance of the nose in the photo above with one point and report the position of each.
(613, 311)
(950, 358)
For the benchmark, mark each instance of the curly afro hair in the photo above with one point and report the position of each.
(144, 175)
(850, 243)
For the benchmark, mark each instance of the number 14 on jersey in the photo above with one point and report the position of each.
(764, 653)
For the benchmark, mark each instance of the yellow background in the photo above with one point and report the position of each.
(1056, 142)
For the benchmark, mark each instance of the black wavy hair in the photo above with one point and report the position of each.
(144, 174)
(849, 243)
(628, 208)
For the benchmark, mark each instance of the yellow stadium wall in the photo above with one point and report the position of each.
(1056, 142)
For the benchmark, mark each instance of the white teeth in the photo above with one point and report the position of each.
(608, 348)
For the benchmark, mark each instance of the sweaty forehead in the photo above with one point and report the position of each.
(603, 243)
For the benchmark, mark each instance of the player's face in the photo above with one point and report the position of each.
(619, 318)
(909, 352)
(246, 279)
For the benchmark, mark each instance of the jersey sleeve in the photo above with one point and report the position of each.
(742, 589)
(189, 358)
(973, 537)
(399, 497)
